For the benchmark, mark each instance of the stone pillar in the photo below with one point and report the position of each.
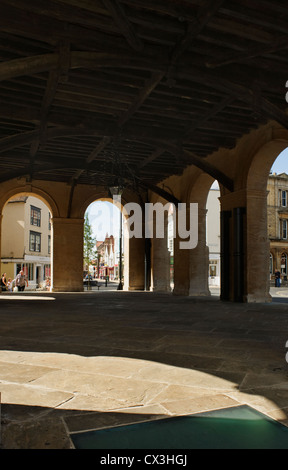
(199, 260)
(67, 255)
(233, 246)
(181, 261)
(233, 254)
(245, 247)
(134, 263)
(225, 222)
(161, 262)
(1, 217)
(258, 248)
(238, 254)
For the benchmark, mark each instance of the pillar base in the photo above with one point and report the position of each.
(67, 289)
(201, 293)
(181, 291)
(161, 291)
(133, 288)
(258, 298)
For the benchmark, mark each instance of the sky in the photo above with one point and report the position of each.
(105, 218)
(281, 163)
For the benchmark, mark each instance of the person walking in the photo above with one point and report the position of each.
(21, 281)
(277, 278)
(9, 284)
(3, 282)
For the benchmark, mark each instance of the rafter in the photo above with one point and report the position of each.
(187, 135)
(277, 45)
(54, 77)
(191, 159)
(204, 15)
(78, 59)
(137, 72)
(239, 91)
(120, 18)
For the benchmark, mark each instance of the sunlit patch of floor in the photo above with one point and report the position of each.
(25, 297)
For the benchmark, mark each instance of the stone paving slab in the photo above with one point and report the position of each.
(89, 360)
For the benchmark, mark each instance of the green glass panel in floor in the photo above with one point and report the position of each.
(231, 428)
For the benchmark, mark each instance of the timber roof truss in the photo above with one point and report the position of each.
(155, 84)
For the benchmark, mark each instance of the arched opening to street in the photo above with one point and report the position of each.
(277, 212)
(103, 253)
(213, 238)
(26, 243)
(266, 219)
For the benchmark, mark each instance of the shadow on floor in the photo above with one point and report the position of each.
(208, 342)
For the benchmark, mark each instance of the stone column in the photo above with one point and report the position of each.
(67, 255)
(134, 262)
(226, 217)
(199, 260)
(258, 248)
(161, 262)
(1, 217)
(181, 260)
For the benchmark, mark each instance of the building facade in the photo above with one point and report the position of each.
(26, 240)
(278, 223)
(107, 258)
(277, 217)
(213, 236)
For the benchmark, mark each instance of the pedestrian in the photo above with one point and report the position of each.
(4, 282)
(20, 281)
(9, 284)
(277, 278)
(48, 283)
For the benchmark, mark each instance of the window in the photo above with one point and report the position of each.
(284, 229)
(49, 221)
(35, 216)
(284, 263)
(282, 198)
(271, 264)
(47, 271)
(28, 271)
(212, 267)
(35, 242)
(49, 244)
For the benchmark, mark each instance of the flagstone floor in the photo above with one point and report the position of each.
(75, 362)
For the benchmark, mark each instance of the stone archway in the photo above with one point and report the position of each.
(199, 256)
(191, 265)
(27, 236)
(134, 247)
(257, 241)
(106, 221)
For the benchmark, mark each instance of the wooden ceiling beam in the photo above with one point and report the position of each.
(73, 14)
(239, 91)
(204, 15)
(79, 59)
(190, 130)
(191, 159)
(278, 44)
(54, 77)
(118, 14)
